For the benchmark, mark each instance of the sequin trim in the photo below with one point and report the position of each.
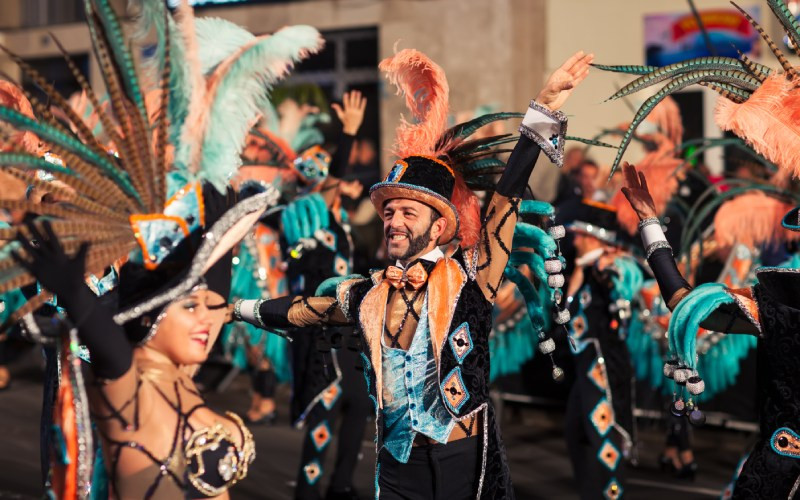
(255, 203)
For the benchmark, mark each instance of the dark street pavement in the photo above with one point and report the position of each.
(534, 440)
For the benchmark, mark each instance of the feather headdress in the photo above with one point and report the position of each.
(424, 86)
(121, 202)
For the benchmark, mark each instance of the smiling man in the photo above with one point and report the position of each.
(425, 320)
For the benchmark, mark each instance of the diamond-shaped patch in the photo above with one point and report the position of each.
(312, 471)
(331, 395)
(608, 455)
(578, 326)
(453, 389)
(341, 267)
(327, 238)
(597, 374)
(613, 490)
(461, 342)
(602, 417)
(321, 435)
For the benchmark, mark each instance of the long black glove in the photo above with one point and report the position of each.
(111, 353)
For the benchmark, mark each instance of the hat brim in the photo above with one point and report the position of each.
(791, 220)
(382, 192)
(226, 233)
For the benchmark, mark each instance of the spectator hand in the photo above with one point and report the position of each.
(351, 112)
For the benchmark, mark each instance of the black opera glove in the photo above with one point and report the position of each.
(64, 276)
(48, 262)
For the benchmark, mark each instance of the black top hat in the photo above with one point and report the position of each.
(424, 179)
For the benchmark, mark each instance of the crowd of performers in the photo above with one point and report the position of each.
(186, 212)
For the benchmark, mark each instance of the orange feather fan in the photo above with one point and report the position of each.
(769, 121)
(752, 219)
(424, 85)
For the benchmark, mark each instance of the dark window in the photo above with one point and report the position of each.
(49, 12)
(55, 71)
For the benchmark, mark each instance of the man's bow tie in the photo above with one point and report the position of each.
(415, 276)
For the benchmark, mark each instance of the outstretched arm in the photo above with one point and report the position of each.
(673, 286)
(542, 129)
(290, 312)
(351, 114)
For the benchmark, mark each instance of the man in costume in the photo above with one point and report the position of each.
(599, 418)
(426, 320)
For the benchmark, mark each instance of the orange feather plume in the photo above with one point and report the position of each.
(425, 88)
(769, 121)
(752, 219)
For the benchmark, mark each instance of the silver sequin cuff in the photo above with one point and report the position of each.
(652, 247)
(648, 221)
(548, 129)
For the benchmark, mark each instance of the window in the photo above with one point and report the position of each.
(48, 12)
(349, 61)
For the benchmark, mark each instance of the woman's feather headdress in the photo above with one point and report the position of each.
(119, 168)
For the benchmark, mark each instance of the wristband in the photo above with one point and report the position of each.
(652, 247)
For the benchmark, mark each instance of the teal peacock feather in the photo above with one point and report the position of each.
(681, 68)
(463, 130)
(784, 62)
(119, 47)
(787, 19)
(683, 81)
(536, 207)
(627, 69)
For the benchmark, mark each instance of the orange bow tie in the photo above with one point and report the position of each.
(415, 276)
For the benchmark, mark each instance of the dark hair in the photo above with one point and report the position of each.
(435, 215)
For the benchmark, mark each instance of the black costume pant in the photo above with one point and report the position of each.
(433, 472)
(353, 406)
(596, 457)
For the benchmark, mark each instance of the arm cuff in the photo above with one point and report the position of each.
(546, 128)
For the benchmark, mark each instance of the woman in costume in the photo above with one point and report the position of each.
(759, 105)
(426, 320)
(162, 197)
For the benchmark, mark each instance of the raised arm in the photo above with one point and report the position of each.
(542, 129)
(673, 286)
(351, 114)
(47, 261)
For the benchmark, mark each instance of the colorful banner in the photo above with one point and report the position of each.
(671, 38)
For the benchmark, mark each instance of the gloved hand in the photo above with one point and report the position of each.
(48, 262)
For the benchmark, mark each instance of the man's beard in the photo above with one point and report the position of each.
(416, 244)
